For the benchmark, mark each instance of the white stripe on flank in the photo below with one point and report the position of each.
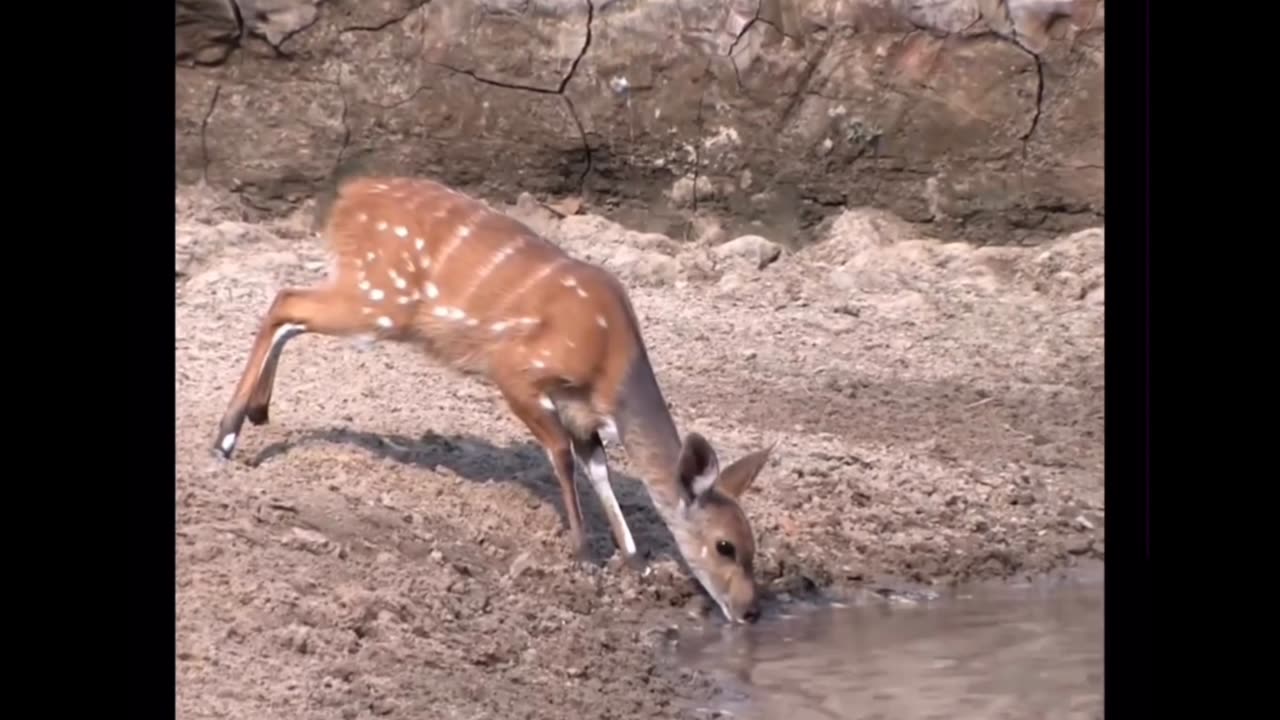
(487, 269)
(459, 234)
(533, 280)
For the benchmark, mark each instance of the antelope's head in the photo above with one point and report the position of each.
(714, 534)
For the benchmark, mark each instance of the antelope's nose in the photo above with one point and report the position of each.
(752, 613)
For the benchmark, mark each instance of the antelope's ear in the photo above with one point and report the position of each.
(698, 467)
(738, 476)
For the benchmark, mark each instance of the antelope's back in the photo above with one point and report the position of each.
(460, 251)
(438, 225)
(467, 278)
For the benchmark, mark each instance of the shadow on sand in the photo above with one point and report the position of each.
(480, 461)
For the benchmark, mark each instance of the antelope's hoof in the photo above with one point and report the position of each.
(225, 444)
(635, 563)
(257, 415)
(582, 553)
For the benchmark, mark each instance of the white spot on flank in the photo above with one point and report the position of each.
(456, 313)
(529, 321)
(582, 293)
(369, 256)
(432, 290)
(601, 321)
(362, 217)
(545, 352)
(539, 364)
(414, 295)
(571, 343)
(376, 294)
(455, 240)
(472, 322)
(404, 300)
(382, 225)
(400, 282)
(546, 403)
(440, 312)
(364, 284)
(569, 281)
(498, 326)
(228, 442)
(426, 262)
(419, 243)
(384, 321)
(402, 231)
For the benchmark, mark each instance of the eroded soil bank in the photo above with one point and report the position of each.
(391, 544)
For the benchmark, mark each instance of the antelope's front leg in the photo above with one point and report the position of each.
(590, 453)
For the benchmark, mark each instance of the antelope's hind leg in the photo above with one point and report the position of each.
(293, 312)
(258, 409)
(526, 402)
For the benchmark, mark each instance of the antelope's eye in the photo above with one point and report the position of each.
(725, 548)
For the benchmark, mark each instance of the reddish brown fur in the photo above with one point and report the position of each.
(549, 322)
(481, 292)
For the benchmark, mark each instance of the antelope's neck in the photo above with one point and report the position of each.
(649, 434)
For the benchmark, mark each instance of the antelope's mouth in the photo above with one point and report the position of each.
(727, 613)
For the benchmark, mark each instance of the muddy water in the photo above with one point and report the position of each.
(1033, 651)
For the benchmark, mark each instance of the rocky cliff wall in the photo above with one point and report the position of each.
(980, 118)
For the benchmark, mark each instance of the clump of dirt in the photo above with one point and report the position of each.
(391, 543)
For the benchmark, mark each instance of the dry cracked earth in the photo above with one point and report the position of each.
(391, 543)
